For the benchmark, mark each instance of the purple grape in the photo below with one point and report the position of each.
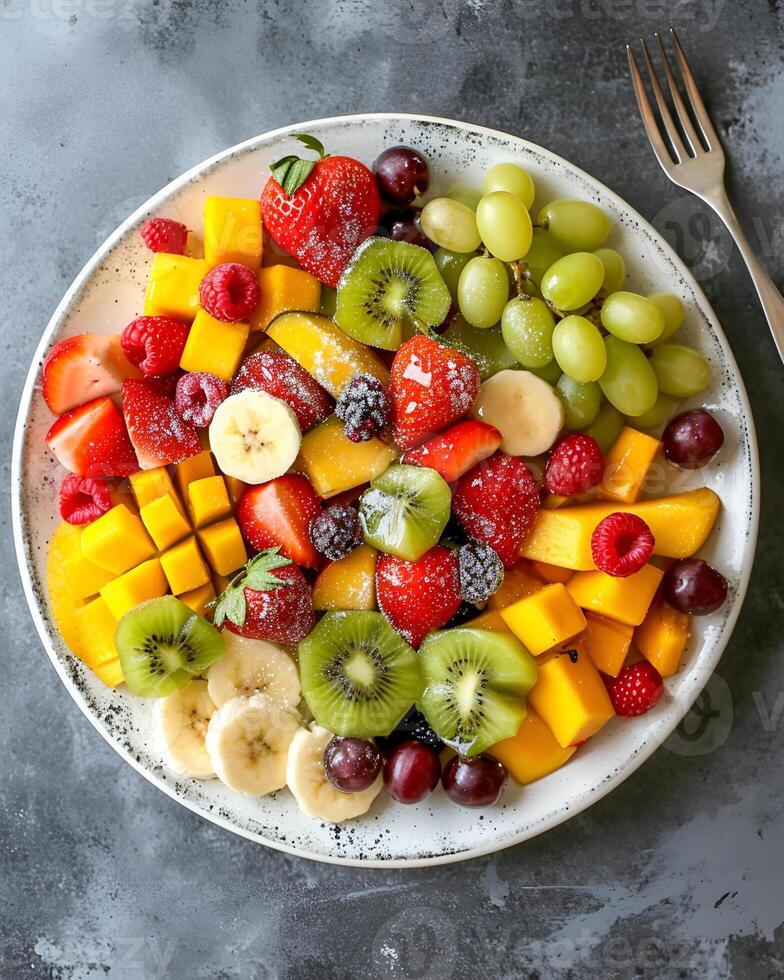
(692, 439)
(473, 781)
(402, 225)
(411, 772)
(351, 764)
(401, 174)
(695, 587)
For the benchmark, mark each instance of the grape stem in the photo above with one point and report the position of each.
(520, 273)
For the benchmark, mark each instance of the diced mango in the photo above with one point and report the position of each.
(197, 599)
(606, 642)
(550, 573)
(334, 463)
(235, 487)
(184, 567)
(662, 637)
(570, 698)
(627, 465)
(65, 544)
(490, 619)
(625, 599)
(223, 546)
(533, 752)
(321, 347)
(282, 289)
(84, 577)
(208, 500)
(680, 524)
(173, 287)
(232, 231)
(164, 521)
(198, 467)
(214, 346)
(518, 582)
(98, 626)
(117, 540)
(110, 673)
(149, 485)
(349, 583)
(544, 619)
(144, 582)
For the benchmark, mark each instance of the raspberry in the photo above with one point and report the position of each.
(575, 465)
(229, 292)
(155, 343)
(363, 407)
(335, 532)
(83, 500)
(621, 544)
(197, 396)
(164, 235)
(635, 690)
(481, 572)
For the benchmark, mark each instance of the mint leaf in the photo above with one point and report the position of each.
(311, 143)
(236, 609)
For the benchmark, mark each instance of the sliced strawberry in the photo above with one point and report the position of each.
(431, 387)
(280, 376)
(278, 513)
(84, 367)
(420, 596)
(159, 435)
(497, 503)
(456, 451)
(92, 441)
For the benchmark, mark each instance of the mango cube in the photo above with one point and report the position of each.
(550, 573)
(490, 619)
(284, 288)
(627, 465)
(334, 463)
(662, 637)
(197, 599)
(208, 499)
(97, 626)
(624, 599)
(544, 619)
(149, 485)
(533, 752)
(518, 582)
(235, 487)
(214, 346)
(173, 287)
(349, 583)
(197, 467)
(570, 698)
(165, 521)
(84, 577)
(606, 642)
(144, 582)
(110, 673)
(232, 231)
(117, 540)
(223, 546)
(184, 567)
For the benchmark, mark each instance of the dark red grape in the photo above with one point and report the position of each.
(411, 772)
(694, 587)
(351, 764)
(402, 225)
(401, 174)
(692, 439)
(474, 781)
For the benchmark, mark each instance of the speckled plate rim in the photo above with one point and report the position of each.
(679, 707)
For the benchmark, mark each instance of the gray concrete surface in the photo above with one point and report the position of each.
(679, 872)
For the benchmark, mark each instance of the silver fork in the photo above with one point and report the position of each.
(697, 164)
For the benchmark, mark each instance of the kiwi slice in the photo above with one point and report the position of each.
(359, 676)
(405, 510)
(386, 287)
(162, 644)
(476, 682)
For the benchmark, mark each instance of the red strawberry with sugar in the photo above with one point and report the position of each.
(420, 596)
(155, 343)
(278, 513)
(92, 441)
(635, 690)
(84, 367)
(159, 434)
(280, 376)
(319, 211)
(431, 386)
(497, 503)
(457, 450)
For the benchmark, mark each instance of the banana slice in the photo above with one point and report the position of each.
(254, 436)
(316, 795)
(254, 667)
(248, 740)
(525, 410)
(181, 721)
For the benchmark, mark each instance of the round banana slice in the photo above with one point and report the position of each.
(248, 741)
(254, 436)
(181, 722)
(525, 410)
(251, 667)
(314, 793)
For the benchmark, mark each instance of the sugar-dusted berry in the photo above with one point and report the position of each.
(363, 407)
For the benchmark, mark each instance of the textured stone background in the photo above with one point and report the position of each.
(680, 871)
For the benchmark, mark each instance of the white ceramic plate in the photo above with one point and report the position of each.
(108, 293)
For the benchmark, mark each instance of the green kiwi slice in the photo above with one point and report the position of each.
(385, 288)
(476, 683)
(162, 644)
(359, 676)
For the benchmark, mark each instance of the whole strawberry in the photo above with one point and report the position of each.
(420, 596)
(635, 690)
(319, 211)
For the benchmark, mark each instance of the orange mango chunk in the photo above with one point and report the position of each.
(334, 463)
(550, 573)
(570, 698)
(164, 521)
(518, 582)
(544, 619)
(606, 642)
(97, 626)
(214, 346)
(283, 289)
(623, 599)
(197, 467)
(349, 583)
(117, 540)
(184, 567)
(627, 465)
(533, 752)
(84, 577)
(208, 500)
(490, 619)
(197, 599)
(223, 546)
(173, 286)
(662, 637)
(232, 231)
(126, 592)
(149, 485)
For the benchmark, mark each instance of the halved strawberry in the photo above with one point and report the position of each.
(84, 367)
(279, 513)
(280, 376)
(418, 596)
(159, 435)
(92, 441)
(456, 451)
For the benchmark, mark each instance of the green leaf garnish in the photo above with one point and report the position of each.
(292, 171)
(311, 143)
(257, 575)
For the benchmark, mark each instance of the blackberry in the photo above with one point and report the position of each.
(481, 572)
(413, 725)
(363, 407)
(335, 532)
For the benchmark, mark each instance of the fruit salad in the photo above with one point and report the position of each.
(370, 511)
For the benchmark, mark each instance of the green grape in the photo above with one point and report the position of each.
(680, 371)
(486, 348)
(510, 177)
(504, 225)
(632, 317)
(450, 265)
(572, 281)
(579, 349)
(465, 195)
(581, 402)
(527, 327)
(628, 381)
(483, 291)
(606, 427)
(663, 410)
(577, 226)
(614, 270)
(673, 312)
(450, 224)
(543, 253)
(329, 298)
(550, 372)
